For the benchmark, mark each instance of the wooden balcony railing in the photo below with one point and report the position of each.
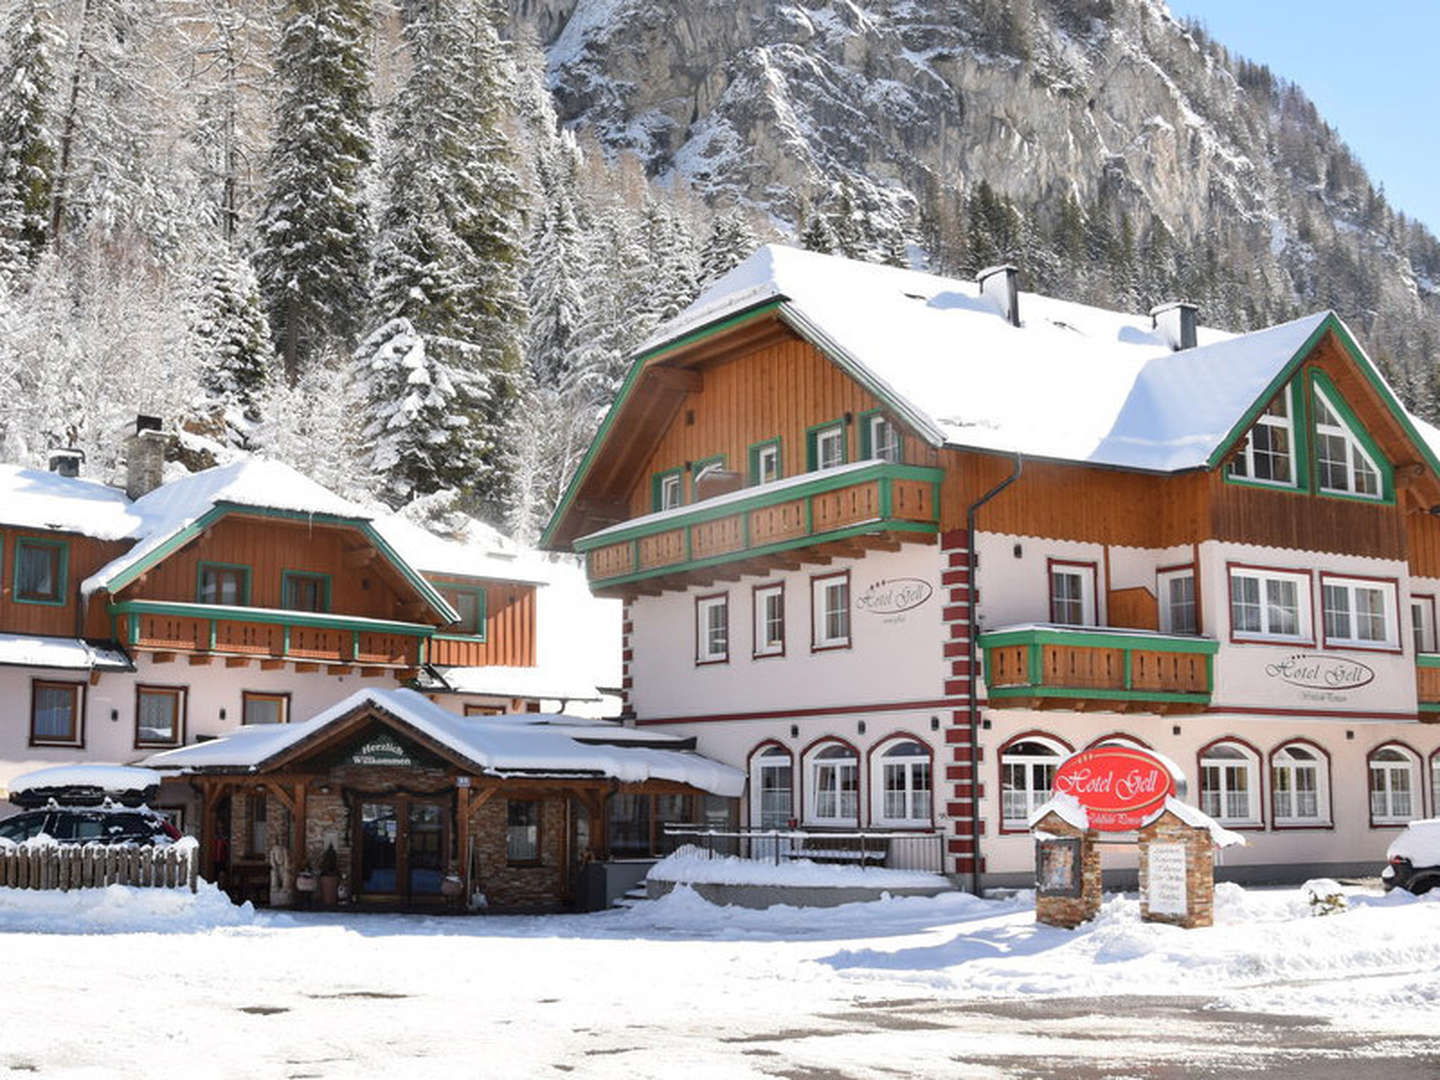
(863, 504)
(1427, 685)
(1087, 667)
(270, 634)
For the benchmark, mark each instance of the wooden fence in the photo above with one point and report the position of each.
(93, 866)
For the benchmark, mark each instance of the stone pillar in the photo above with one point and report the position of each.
(1177, 873)
(1067, 873)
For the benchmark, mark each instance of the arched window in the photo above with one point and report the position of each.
(900, 780)
(1027, 771)
(1229, 784)
(772, 788)
(1394, 793)
(834, 785)
(1299, 786)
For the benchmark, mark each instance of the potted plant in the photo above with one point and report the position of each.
(330, 877)
(451, 886)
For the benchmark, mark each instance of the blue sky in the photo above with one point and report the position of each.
(1373, 71)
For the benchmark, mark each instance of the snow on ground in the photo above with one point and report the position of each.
(690, 864)
(678, 986)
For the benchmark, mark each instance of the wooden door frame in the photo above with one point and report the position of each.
(402, 801)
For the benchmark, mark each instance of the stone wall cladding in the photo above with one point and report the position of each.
(507, 884)
(1199, 871)
(1071, 911)
(960, 784)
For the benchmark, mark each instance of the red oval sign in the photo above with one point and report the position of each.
(1119, 786)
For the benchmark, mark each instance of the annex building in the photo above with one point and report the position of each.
(312, 675)
(896, 545)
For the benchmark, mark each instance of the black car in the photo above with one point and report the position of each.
(91, 824)
(1413, 861)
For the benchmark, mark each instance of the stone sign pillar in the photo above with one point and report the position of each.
(1177, 873)
(1067, 873)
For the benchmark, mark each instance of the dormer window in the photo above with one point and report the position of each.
(1268, 454)
(1343, 466)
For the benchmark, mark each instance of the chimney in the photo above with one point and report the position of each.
(1176, 322)
(1001, 284)
(66, 462)
(144, 457)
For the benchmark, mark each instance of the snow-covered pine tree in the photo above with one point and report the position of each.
(673, 259)
(410, 410)
(556, 280)
(815, 231)
(27, 150)
(232, 335)
(314, 233)
(311, 426)
(449, 257)
(730, 243)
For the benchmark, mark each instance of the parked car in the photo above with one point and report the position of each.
(1414, 858)
(91, 824)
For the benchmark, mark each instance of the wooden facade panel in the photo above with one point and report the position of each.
(1427, 684)
(83, 556)
(718, 537)
(779, 390)
(1134, 609)
(912, 500)
(847, 506)
(1182, 673)
(772, 524)
(662, 549)
(509, 631)
(1423, 540)
(269, 547)
(612, 561)
(1288, 519)
(1008, 665)
(259, 639)
(1082, 666)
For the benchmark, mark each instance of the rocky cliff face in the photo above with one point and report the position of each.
(1112, 103)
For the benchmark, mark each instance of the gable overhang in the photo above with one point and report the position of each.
(354, 722)
(1331, 324)
(786, 313)
(185, 534)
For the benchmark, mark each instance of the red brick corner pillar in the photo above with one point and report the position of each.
(627, 655)
(962, 786)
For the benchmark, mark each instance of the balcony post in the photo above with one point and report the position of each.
(213, 628)
(887, 497)
(1127, 654)
(1037, 674)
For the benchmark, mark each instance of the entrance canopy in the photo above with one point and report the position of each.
(523, 745)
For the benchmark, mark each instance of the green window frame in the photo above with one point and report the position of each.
(753, 455)
(1299, 425)
(241, 569)
(293, 580)
(59, 572)
(452, 594)
(1320, 381)
(812, 440)
(867, 443)
(657, 486)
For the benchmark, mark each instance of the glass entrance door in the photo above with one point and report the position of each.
(379, 848)
(425, 849)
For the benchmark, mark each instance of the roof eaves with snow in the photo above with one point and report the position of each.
(34, 499)
(61, 654)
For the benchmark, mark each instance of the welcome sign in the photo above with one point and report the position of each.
(1119, 786)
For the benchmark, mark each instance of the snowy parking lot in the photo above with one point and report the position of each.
(110, 983)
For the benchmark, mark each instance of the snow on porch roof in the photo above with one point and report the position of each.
(519, 745)
(1073, 382)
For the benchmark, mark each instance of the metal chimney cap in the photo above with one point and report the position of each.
(1171, 305)
(991, 271)
(147, 423)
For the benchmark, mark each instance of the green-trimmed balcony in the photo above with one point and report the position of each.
(270, 635)
(1082, 668)
(1427, 685)
(812, 518)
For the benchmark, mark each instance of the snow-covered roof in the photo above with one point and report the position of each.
(485, 554)
(31, 499)
(516, 745)
(60, 653)
(1073, 382)
(253, 482)
(557, 682)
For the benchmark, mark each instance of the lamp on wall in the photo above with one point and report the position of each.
(934, 723)
(114, 715)
(860, 727)
(794, 731)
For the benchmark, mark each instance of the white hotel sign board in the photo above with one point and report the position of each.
(1165, 882)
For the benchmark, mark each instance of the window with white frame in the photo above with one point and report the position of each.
(1342, 465)
(672, 491)
(1268, 454)
(830, 614)
(766, 463)
(884, 439)
(901, 783)
(1228, 784)
(1177, 601)
(1359, 612)
(834, 785)
(1072, 594)
(773, 786)
(1299, 785)
(1393, 790)
(712, 629)
(769, 620)
(1422, 623)
(1269, 604)
(830, 447)
(1027, 772)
